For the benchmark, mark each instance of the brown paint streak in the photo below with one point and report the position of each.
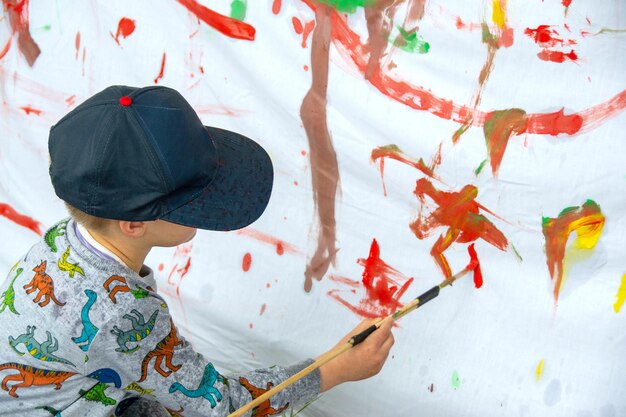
(379, 19)
(18, 18)
(324, 167)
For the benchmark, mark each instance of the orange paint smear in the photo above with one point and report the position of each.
(282, 247)
(20, 219)
(28, 110)
(382, 287)
(224, 24)
(557, 56)
(587, 221)
(276, 5)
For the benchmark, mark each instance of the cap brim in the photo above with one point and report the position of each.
(240, 190)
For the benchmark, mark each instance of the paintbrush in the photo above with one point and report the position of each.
(358, 338)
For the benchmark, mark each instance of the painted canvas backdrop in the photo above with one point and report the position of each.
(499, 125)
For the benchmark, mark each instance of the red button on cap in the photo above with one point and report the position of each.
(126, 101)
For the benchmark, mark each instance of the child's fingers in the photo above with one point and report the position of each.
(383, 333)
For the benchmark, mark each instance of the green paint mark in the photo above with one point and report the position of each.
(456, 381)
(410, 42)
(238, 9)
(517, 255)
(480, 167)
(348, 6)
(46, 27)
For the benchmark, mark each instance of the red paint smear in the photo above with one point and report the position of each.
(349, 45)
(247, 262)
(125, 27)
(71, 100)
(306, 67)
(382, 290)
(162, 70)
(21, 219)
(459, 212)
(77, 43)
(29, 110)
(161, 266)
(557, 56)
(262, 237)
(546, 36)
(566, 3)
(276, 5)
(280, 249)
(475, 265)
(308, 28)
(223, 24)
(6, 48)
(297, 25)
(251, 326)
(556, 232)
(18, 19)
(263, 307)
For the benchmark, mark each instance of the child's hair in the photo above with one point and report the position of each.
(87, 220)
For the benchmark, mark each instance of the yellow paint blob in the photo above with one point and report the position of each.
(539, 371)
(620, 297)
(499, 11)
(588, 230)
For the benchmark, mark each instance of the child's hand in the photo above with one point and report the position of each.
(363, 360)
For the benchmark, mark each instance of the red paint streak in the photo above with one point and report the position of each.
(585, 220)
(77, 43)
(18, 18)
(161, 71)
(262, 237)
(345, 280)
(276, 5)
(182, 272)
(247, 262)
(297, 25)
(475, 265)
(557, 56)
(308, 28)
(223, 24)
(84, 56)
(21, 219)
(251, 326)
(280, 249)
(351, 48)
(546, 36)
(382, 288)
(71, 100)
(6, 48)
(29, 110)
(263, 307)
(566, 3)
(125, 27)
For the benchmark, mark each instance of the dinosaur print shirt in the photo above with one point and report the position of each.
(86, 335)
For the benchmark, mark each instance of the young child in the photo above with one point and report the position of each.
(88, 333)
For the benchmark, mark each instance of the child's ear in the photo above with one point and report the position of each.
(132, 229)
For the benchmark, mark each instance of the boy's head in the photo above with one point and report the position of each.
(141, 154)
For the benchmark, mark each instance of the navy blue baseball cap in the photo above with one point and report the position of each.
(142, 154)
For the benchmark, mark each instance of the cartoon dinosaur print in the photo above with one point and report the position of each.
(29, 376)
(43, 283)
(96, 394)
(263, 409)
(163, 350)
(107, 376)
(175, 413)
(205, 389)
(139, 331)
(52, 234)
(8, 297)
(42, 351)
(89, 329)
(65, 265)
(133, 386)
(123, 287)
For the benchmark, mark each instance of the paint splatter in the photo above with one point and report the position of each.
(547, 36)
(557, 56)
(21, 219)
(28, 110)
(77, 43)
(246, 262)
(223, 24)
(587, 221)
(304, 30)
(161, 266)
(263, 308)
(456, 381)
(431, 388)
(17, 11)
(478, 275)
(499, 126)
(409, 41)
(280, 249)
(539, 371)
(620, 297)
(382, 284)
(238, 9)
(162, 70)
(324, 165)
(276, 5)
(566, 3)
(125, 27)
